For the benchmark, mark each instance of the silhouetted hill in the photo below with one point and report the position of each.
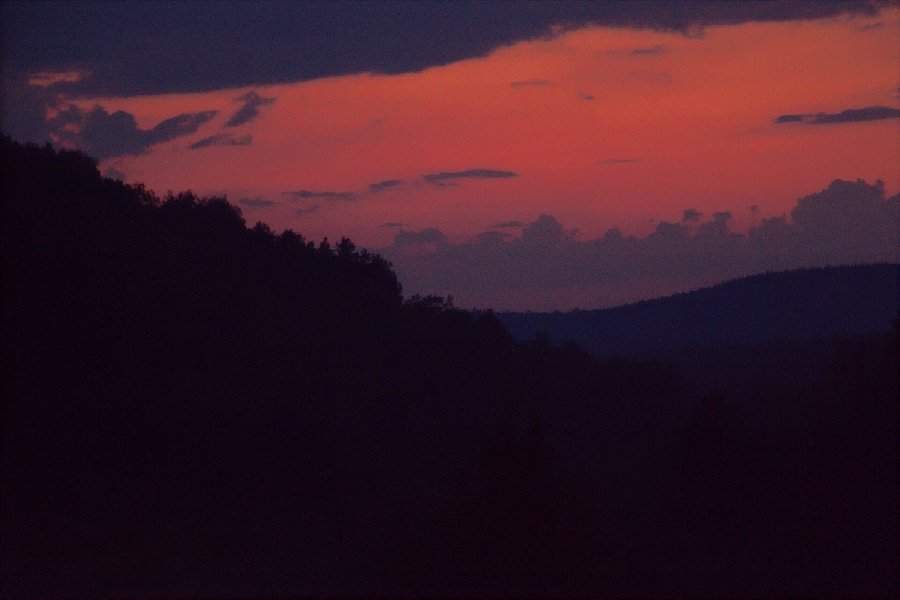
(762, 309)
(195, 408)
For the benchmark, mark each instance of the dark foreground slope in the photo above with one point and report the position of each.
(805, 303)
(193, 408)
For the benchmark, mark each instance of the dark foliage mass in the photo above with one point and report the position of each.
(192, 407)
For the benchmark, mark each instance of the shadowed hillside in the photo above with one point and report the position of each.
(767, 308)
(196, 408)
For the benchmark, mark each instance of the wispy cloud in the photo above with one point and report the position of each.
(618, 161)
(851, 115)
(256, 202)
(306, 194)
(442, 177)
(385, 185)
(657, 49)
(222, 139)
(306, 211)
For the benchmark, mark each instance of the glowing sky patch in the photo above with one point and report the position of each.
(598, 127)
(673, 122)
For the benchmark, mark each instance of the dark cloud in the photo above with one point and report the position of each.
(324, 195)
(250, 110)
(385, 185)
(691, 215)
(531, 83)
(851, 115)
(657, 49)
(306, 211)
(256, 202)
(442, 178)
(584, 96)
(222, 139)
(103, 134)
(507, 224)
(188, 47)
(847, 223)
(393, 224)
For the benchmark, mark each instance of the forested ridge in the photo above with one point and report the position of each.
(193, 407)
(761, 309)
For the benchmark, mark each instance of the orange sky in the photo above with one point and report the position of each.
(693, 116)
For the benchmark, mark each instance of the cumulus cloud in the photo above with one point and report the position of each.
(256, 202)
(691, 215)
(851, 115)
(306, 194)
(222, 139)
(385, 185)
(104, 135)
(442, 178)
(847, 223)
(250, 110)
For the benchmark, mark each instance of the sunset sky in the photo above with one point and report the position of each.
(485, 151)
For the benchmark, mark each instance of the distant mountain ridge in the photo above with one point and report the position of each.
(802, 303)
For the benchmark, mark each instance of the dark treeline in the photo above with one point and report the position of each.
(193, 407)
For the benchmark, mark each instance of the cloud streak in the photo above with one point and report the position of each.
(443, 177)
(618, 161)
(385, 185)
(222, 139)
(306, 211)
(306, 194)
(256, 202)
(657, 49)
(851, 115)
